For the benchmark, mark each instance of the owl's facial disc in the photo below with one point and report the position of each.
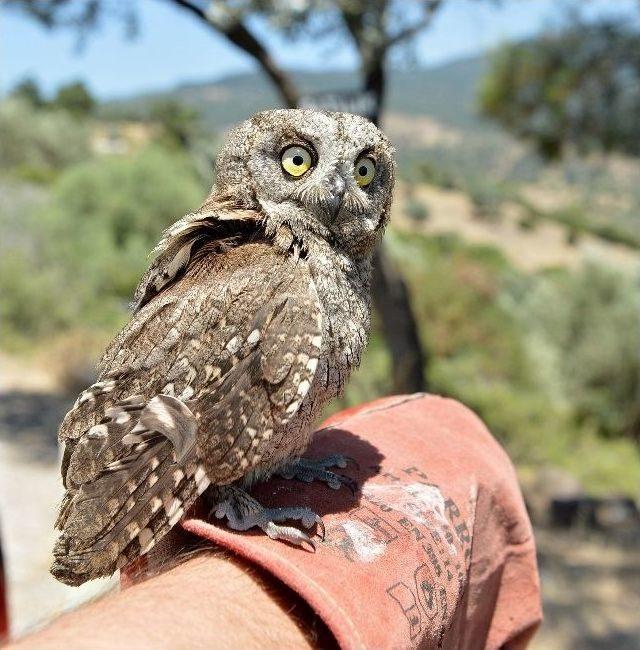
(323, 175)
(324, 183)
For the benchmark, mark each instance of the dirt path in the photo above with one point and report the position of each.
(591, 593)
(30, 490)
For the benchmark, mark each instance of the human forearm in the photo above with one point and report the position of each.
(208, 601)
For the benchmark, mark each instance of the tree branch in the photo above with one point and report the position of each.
(238, 34)
(411, 30)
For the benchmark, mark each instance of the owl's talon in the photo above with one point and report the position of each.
(320, 528)
(308, 470)
(350, 459)
(243, 512)
(288, 534)
(339, 460)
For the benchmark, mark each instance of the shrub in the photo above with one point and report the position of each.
(487, 198)
(416, 210)
(550, 362)
(127, 198)
(74, 98)
(40, 142)
(434, 174)
(591, 320)
(82, 254)
(28, 91)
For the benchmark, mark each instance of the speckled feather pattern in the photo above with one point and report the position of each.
(249, 319)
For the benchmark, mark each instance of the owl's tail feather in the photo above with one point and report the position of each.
(132, 502)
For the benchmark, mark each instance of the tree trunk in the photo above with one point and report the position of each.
(392, 302)
(374, 83)
(390, 294)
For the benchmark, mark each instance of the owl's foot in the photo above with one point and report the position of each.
(243, 512)
(308, 470)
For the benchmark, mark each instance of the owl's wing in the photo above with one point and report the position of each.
(216, 226)
(233, 343)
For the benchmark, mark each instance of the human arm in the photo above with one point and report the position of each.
(210, 600)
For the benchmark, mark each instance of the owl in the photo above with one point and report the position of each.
(251, 316)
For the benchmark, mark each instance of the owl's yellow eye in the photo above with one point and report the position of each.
(365, 170)
(296, 160)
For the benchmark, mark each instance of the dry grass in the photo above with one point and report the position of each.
(542, 246)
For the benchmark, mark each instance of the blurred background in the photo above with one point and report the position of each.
(509, 278)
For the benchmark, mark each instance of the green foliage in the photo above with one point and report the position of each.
(455, 291)
(132, 197)
(372, 379)
(486, 194)
(81, 15)
(593, 331)
(528, 222)
(487, 198)
(30, 298)
(37, 144)
(577, 87)
(28, 92)
(74, 98)
(437, 175)
(550, 362)
(86, 250)
(416, 210)
(578, 221)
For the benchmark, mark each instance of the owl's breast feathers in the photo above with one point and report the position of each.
(198, 388)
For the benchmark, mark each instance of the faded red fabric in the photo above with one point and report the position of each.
(434, 551)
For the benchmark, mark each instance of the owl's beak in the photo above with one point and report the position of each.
(337, 189)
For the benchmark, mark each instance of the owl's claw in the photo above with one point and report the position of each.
(308, 470)
(243, 512)
(289, 534)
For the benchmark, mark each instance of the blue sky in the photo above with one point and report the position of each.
(172, 47)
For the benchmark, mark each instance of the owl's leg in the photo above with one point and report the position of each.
(243, 512)
(308, 470)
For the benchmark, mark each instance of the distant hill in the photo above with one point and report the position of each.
(445, 93)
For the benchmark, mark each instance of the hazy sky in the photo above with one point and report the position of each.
(172, 47)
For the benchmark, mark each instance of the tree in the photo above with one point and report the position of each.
(579, 88)
(28, 91)
(75, 98)
(374, 27)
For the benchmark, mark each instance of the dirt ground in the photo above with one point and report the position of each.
(591, 586)
(530, 250)
(30, 489)
(591, 591)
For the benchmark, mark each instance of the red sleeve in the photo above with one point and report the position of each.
(434, 550)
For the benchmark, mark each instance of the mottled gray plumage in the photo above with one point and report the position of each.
(251, 317)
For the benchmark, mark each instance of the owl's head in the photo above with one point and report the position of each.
(320, 174)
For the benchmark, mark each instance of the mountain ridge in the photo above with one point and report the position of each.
(445, 93)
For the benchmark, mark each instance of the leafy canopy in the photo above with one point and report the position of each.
(579, 87)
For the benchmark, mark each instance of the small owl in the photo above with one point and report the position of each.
(249, 319)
